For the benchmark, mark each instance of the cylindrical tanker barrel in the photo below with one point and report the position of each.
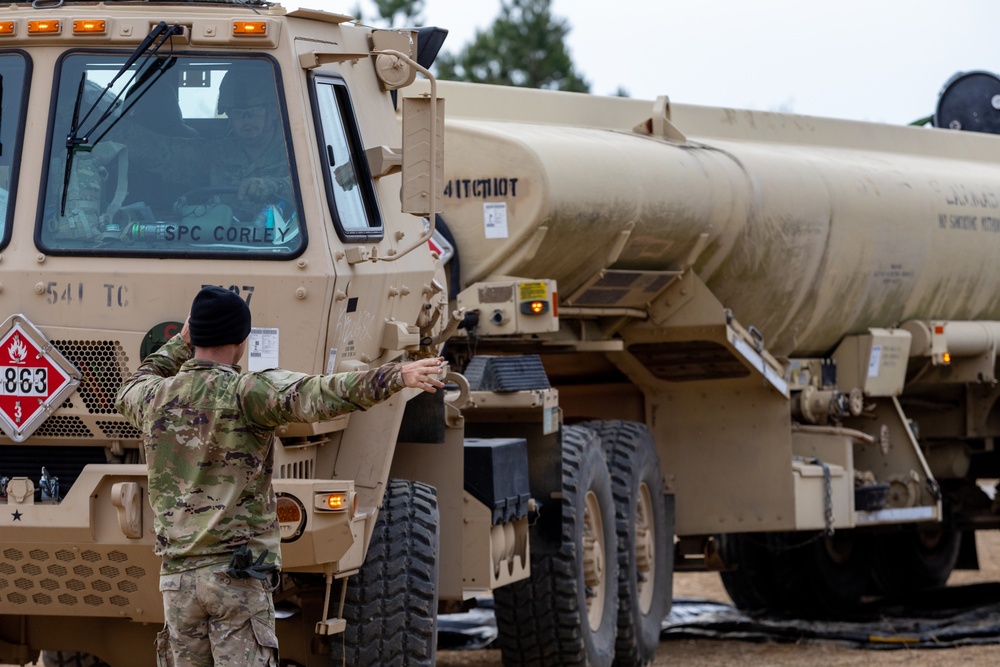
(807, 229)
(536, 200)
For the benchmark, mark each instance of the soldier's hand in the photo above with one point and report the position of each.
(258, 188)
(423, 374)
(186, 331)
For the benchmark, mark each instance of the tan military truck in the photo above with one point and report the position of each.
(149, 149)
(783, 325)
(796, 316)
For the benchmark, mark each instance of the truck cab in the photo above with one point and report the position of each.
(149, 150)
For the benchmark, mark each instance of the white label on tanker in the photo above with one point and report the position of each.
(331, 361)
(263, 349)
(495, 220)
(874, 361)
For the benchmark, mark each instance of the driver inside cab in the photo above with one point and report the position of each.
(227, 180)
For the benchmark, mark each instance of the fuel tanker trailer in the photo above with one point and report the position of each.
(782, 329)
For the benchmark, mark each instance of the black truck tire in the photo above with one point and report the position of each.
(70, 659)
(644, 548)
(750, 578)
(829, 574)
(915, 560)
(565, 614)
(392, 602)
(805, 573)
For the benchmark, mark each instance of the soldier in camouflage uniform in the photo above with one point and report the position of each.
(208, 435)
(251, 157)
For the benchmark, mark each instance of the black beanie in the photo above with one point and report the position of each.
(218, 317)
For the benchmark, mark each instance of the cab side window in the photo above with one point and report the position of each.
(349, 188)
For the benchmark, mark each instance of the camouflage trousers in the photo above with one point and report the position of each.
(213, 619)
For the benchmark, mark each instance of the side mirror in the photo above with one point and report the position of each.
(423, 132)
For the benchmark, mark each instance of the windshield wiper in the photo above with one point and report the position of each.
(149, 47)
(78, 140)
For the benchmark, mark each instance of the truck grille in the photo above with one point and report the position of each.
(119, 430)
(63, 427)
(90, 581)
(103, 367)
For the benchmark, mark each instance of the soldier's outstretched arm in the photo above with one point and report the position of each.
(277, 397)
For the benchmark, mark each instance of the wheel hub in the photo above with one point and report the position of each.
(594, 573)
(645, 548)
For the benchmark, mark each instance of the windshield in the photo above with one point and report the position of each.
(189, 157)
(14, 72)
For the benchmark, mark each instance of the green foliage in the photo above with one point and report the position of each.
(387, 10)
(524, 47)
(409, 9)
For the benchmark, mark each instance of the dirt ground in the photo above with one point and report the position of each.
(713, 652)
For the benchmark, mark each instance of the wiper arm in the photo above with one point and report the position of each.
(149, 47)
(71, 143)
(77, 140)
(142, 84)
(161, 29)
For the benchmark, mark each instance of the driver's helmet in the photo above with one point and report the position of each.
(246, 87)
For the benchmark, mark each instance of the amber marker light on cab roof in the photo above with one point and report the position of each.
(43, 27)
(89, 26)
(7, 27)
(249, 27)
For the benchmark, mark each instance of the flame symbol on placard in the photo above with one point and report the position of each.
(18, 351)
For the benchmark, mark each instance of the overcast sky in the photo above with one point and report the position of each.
(878, 60)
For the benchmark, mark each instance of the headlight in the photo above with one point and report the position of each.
(291, 517)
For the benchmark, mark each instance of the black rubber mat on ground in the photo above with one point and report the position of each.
(955, 616)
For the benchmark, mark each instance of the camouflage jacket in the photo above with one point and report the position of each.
(208, 434)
